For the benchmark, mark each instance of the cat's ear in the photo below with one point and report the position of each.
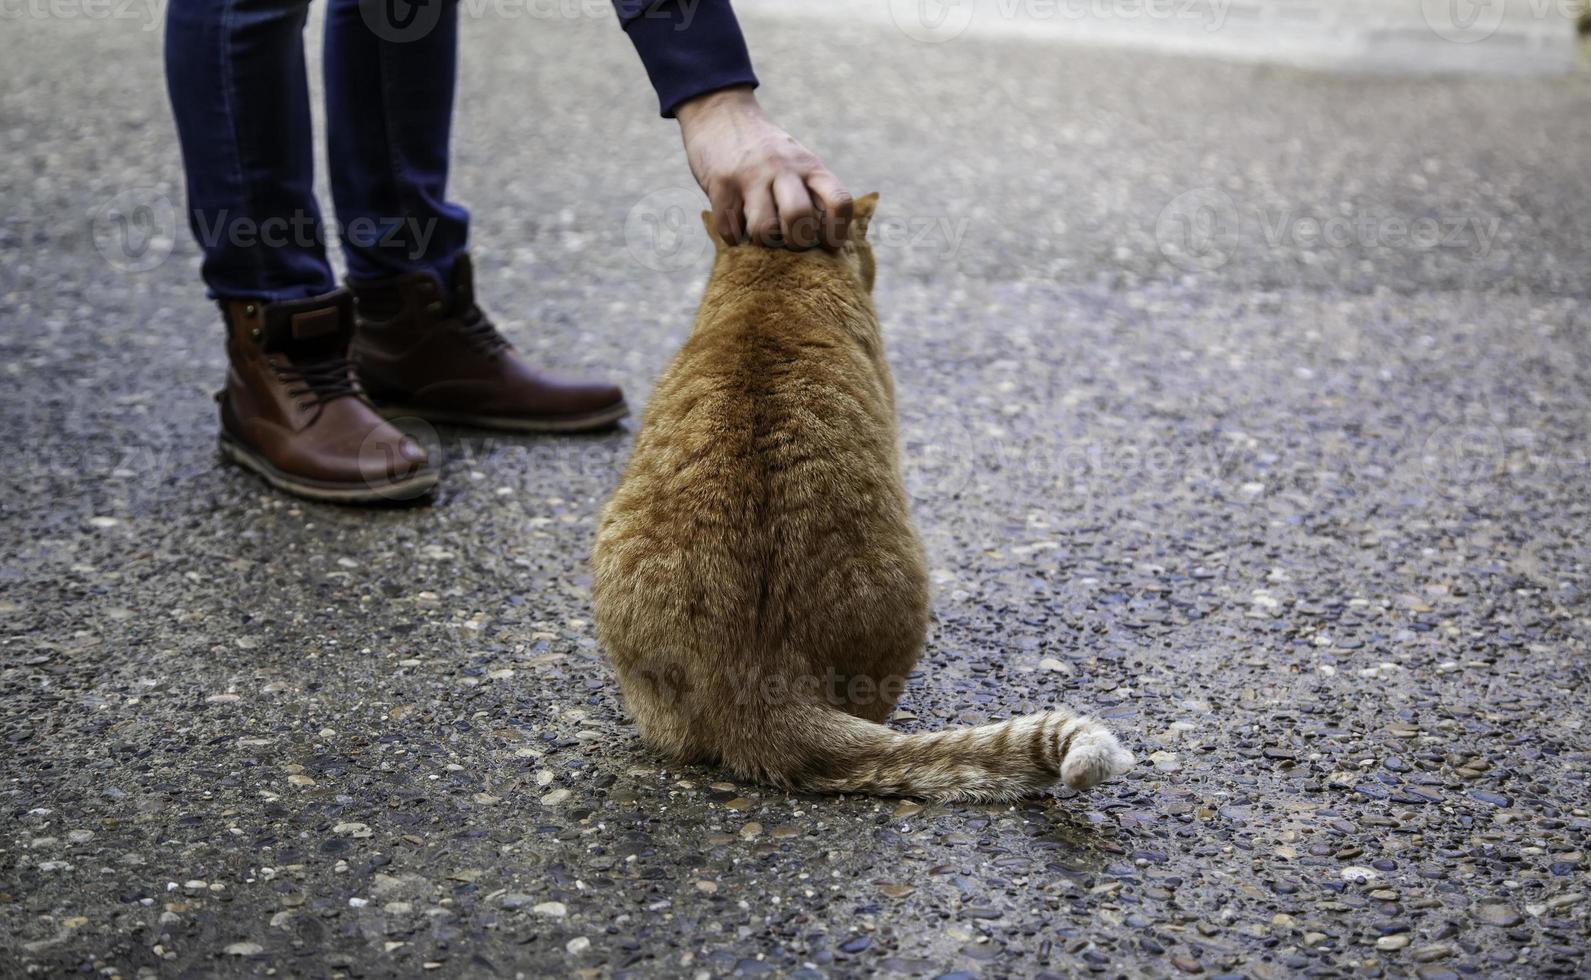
(707, 222)
(862, 214)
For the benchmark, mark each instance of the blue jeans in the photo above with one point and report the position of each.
(235, 70)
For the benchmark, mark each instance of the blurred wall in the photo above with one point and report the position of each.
(1413, 36)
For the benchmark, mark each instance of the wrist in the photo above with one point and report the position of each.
(739, 99)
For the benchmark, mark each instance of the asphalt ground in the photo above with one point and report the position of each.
(1244, 406)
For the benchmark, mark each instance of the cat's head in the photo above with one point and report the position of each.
(856, 254)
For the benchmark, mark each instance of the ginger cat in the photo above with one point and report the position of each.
(759, 585)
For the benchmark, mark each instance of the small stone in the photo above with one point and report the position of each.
(577, 945)
(299, 779)
(555, 910)
(709, 887)
(897, 891)
(245, 949)
(515, 900)
(1359, 873)
(1397, 940)
(1055, 666)
(352, 830)
(556, 797)
(386, 886)
(1498, 914)
(906, 808)
(1165, 761)
(751, 831)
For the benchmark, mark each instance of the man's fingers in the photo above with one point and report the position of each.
(798, 218)
(762, 217)
(729, 221)
(836, 204)
(728, 214)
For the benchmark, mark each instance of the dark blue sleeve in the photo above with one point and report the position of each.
(689, 47)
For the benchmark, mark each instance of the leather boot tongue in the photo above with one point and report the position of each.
(316, 335)
(316, 342)
(310, 329)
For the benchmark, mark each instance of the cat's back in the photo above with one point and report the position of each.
(767, 449)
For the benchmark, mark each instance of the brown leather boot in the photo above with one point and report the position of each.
(417, 353)
(293, 413)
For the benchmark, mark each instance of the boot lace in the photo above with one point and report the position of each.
(480, 333)
(314, 383)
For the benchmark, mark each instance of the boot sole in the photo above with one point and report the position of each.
(604, 418)
(408, 488)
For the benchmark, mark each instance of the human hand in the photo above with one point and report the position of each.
(762, 184)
